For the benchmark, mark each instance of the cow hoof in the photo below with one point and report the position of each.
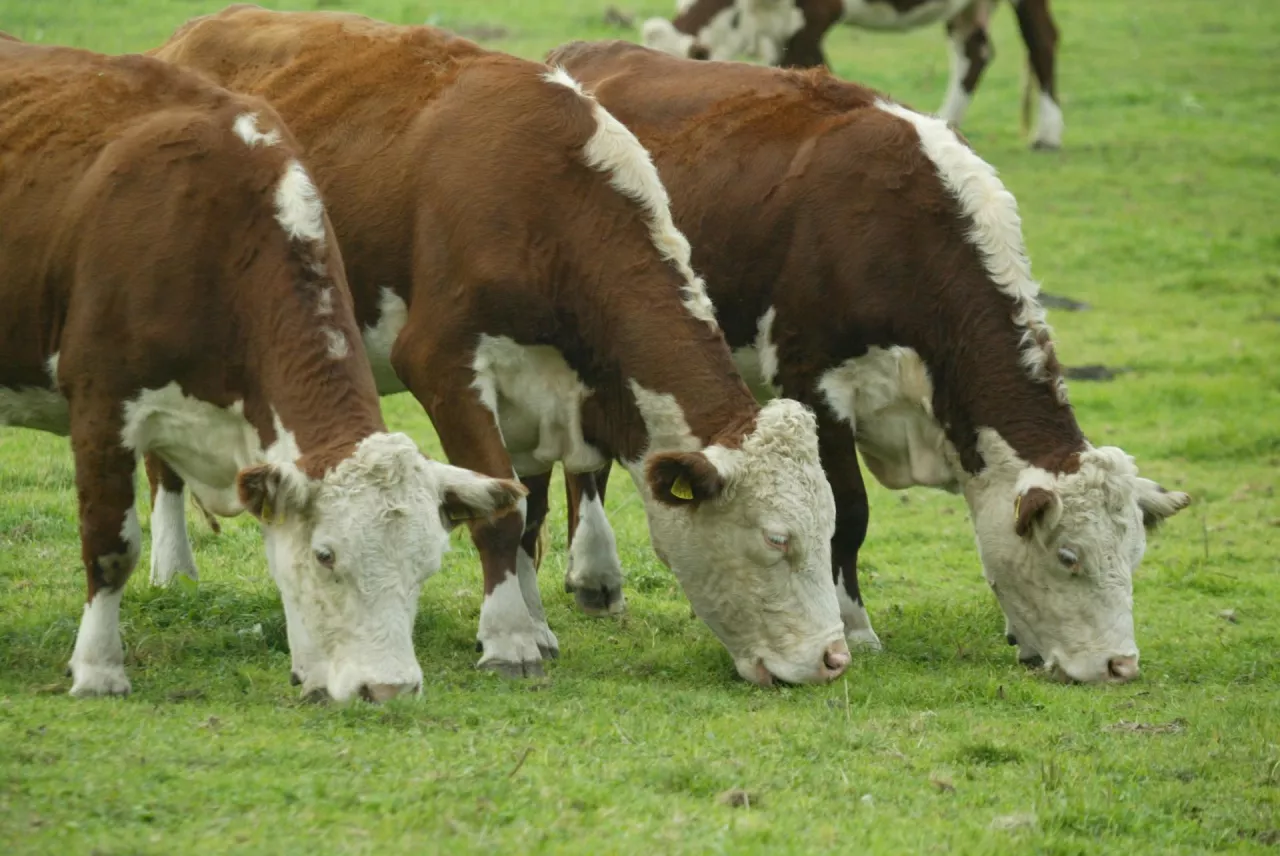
(864, 640)
(598, 601)
(548, 653)
(1043, 146)
(504, 669)
(94, 681)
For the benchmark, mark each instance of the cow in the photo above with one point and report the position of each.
(514, 265)
(170, 286)
(866, 261)
(789, 33)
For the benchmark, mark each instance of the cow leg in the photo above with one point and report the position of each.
(110, 542)
(840, 461)
(437, 370)
(535, 517)
(1041, 38)
(170, 544)
(594, 572)
(804, 49)
(971, 53)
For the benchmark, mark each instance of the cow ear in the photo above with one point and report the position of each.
(272, 494)
(683, 478)
(1035, 507)
(1158, 504)
(467, 495)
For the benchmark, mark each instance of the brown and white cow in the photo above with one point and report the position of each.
(515, 266)
(867, 262)
(789, 33)
(170, 285)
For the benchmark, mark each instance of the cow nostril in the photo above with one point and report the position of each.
(1123, 668)
(836, 657)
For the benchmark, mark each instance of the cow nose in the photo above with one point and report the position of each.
(836, 658)
(1123, 668)
(378, 693)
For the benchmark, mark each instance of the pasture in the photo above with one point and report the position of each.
(1160, 214)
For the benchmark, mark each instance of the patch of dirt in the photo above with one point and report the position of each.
(1173, 727)
(738, 798)
(1095, 371)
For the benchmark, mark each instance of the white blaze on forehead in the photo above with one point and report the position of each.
(298, 208)
(246, 128)
(379, 339)
(996, 232)
(613, 149)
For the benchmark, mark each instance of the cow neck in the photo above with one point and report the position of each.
(973, 350)
(666, 351)
(328, 404)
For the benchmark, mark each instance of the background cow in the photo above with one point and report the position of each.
(867, 262)
(170, 285)
(515, 266)
(790, 32)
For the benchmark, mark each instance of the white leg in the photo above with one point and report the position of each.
(1049, 124)
(170, 546)
(957, 100)
(527, 573)
(97, 664)
(595, 572)
(857, 624)
(508, 632)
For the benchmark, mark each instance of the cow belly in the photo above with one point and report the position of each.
(32, 407)
(537, 400)
(899, 14)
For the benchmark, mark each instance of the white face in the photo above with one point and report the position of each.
(660, 35)
(748, 534)
(351, 551)
(1060, 551)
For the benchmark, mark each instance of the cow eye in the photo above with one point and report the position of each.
(778, 541)
(325, 557)
(1069, 559)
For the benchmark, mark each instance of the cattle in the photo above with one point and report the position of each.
(170, 286)
(865, 261)
(514, 265)
(789, 33)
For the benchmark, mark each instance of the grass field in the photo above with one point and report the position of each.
(1161, 213)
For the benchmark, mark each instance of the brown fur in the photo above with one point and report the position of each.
(454, 175)
(140, 244)
(797, 193)
(700, 476)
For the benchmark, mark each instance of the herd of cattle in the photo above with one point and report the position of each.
(217, 257)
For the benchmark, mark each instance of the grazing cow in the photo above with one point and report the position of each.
(789, 33)
(869, 264)
(515, 266)
(170, 285)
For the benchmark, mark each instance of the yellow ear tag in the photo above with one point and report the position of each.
(1017, 509)
(680, 489)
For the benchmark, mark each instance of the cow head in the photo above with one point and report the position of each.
(747, 532)
(351, 550)
(1059, 551)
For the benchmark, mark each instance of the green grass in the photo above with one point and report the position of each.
(1161, 213)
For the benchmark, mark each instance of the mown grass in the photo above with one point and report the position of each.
(1160, 213)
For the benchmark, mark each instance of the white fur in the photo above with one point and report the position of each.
(771, 610)
(97, 664)
(298, 208)
(43, 409)
(379, 339)
(996, 231)
(324, 303)
(246, 128)
(508, 631)
(170, 545)
(1049, 123)
(593, 555)
(880, 15)
(661, 35)
(886, 397)
(857, 624)
(336, 343)
(527, 575)
(537, 401)
(614, 150)
(765, 348)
